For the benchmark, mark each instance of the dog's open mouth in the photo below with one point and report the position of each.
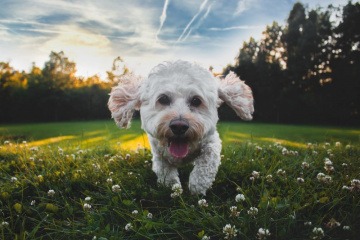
(178, 147)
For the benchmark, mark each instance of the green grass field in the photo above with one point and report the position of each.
(95, 133)
(90, 180)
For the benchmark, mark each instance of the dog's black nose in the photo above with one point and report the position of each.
(179, 126)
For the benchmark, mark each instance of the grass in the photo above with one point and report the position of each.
(102, 183)
(94, 133)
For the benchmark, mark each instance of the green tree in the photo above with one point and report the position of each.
(343, 93)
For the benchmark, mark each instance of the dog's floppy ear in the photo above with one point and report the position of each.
(125, 99)
(237, 95)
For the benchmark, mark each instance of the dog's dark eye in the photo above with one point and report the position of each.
(164, 100)
(195, 102)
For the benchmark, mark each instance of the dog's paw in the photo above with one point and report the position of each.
(197, 190)
(197, 187)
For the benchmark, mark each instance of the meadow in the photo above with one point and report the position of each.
(91, 180)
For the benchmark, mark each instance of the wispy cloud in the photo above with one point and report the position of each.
(162, 18)
(244, 5)
(244, 27)
(187, 30)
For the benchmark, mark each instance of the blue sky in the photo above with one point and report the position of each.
(143, 32)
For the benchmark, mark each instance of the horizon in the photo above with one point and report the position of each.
(143, 33)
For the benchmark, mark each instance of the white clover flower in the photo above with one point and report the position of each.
(96, 166)
(60, 150)
(34, 149)
(328, 165)
(305, 165)
(239, 197)
(293, 153)
(13, 179)
(254, 175)
(135, 212)
(51, 193)
(87, 199)
(205, 238)
(346, 228)
(307, 223)
(269, 178)
(258, 148)
(344, 165)
(128, 227)
(338, 144)
(7, 142)
(87, 206)
(321, 177)
(281, 173)
(127, 156)
(4, 224)
(284, 151)
(230, 231)
(253, 211)
(355, 185)
(348, 146)
(300, 180)
(177, 190)
(332, 223)
(40, 177)
(234, 212)
(149, 215)
(318, 233)
(203, 203)
(116, 188)
(263, 233)
(109, 180)
(32, 203)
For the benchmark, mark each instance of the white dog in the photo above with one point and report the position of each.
(178, 106)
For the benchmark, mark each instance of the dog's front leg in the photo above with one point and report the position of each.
(205, 167)
(166, 173)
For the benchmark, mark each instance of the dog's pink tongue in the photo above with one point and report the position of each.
(179, 149)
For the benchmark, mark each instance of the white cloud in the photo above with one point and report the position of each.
(241, 27)
(244, 5)
(187, 29)
(162, 17)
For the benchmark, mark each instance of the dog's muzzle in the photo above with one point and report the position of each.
(179, 126)
(178, 145)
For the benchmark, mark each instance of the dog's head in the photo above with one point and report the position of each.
(178, 103)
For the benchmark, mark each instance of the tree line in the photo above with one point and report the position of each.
(307, 71)
(52, 93)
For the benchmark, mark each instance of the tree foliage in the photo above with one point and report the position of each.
(52, 93)
(308, 70)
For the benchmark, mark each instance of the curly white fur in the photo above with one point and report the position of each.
(189, 95)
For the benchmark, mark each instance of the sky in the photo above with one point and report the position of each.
(143, 33)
